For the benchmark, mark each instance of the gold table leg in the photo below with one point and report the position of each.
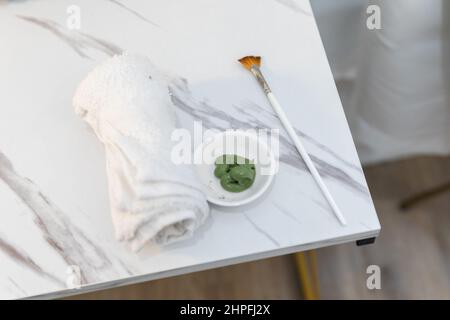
(308, 275)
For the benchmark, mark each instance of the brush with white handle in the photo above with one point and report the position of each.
(252, 64)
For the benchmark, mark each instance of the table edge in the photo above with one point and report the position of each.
(202, 267)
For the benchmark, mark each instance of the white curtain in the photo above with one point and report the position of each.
(399, 102)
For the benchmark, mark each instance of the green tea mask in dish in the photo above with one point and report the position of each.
(236, 173)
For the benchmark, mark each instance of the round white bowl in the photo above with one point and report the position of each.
(247, 146)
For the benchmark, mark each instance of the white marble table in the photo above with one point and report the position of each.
(53, 191)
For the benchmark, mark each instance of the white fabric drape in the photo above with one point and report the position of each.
(399, 105)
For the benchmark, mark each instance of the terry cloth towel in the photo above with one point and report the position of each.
(126, 101)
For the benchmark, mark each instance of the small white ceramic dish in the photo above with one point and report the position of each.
(242, 144)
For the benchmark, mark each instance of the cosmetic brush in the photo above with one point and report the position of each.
(253, 64)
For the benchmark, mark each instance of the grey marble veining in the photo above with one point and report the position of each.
(61, 234)
(54, 206)
(78, 41)
(133, 12)
(212, 117)
(23, 259)
(262, 231)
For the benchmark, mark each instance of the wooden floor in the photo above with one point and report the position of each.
(413, 252)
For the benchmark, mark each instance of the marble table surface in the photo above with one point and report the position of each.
(54, 207)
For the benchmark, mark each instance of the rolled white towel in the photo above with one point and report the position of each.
(126, 101)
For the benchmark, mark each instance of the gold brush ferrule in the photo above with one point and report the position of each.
(261, 80)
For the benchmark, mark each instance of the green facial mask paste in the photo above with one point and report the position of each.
(236, 173)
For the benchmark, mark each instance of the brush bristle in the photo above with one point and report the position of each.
(250, 61)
